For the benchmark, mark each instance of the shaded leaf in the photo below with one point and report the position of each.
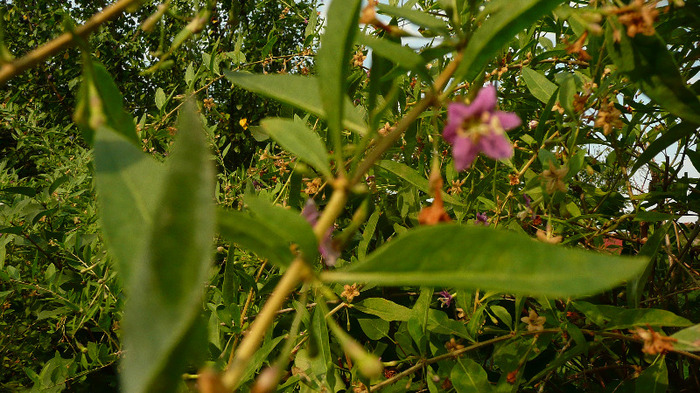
(295, 137)
(647, 61)
(255, 235)
(671, 136)
(654, 379)
(468, 376)
(418, 17)
(166, 286)
(410, 175)
(128, 183)
(287, 224)
(611, 317)
(375, 329)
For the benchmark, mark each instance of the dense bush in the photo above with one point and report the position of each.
(460, 195)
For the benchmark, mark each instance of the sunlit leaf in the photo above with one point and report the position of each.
(475, 257)
(299, 91)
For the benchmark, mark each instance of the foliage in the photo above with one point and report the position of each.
(315, 164)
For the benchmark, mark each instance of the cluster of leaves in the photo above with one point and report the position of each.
(601, 90)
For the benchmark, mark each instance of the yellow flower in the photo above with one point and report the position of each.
(244, 123)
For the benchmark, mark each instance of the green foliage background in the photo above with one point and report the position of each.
(63, 295)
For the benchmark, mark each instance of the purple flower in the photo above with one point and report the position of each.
(527, 199)
(445, 298)
(482, 219)
(478, 127)
(325, 247)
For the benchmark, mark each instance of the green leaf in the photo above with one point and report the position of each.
(654, 216)
(410, 175)
(260, 357)
(540, 87)
(475, 257)
(611, 317)
(498, 30)
(322, 363)
(295, 137)
(384, 309)
(128, 183)
(654, 379)
(287, 224)
(688, 339)
(671, 136)
(160, 98)
(299, 91)
(367, 235)
(468, 376)
(333, 61)
(635, 286)
(375, 329)
(418, 17)
(255, 235)
(167, 285)
(647, 61)
(401, 55)
(112, 104)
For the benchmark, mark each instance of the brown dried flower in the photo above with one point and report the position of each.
(535, 323)
(638, 17)
(453, 345)
(654, 343)
(608, 117)
(350, 292)
(554, 177)
(358, 59)
(435, 213)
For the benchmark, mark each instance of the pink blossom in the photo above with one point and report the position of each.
(328, 252)
(478, 127)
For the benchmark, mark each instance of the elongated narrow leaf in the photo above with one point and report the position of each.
(166, 287)
(112, 104)
(410, 175)
(299, 139)
(403, 56)
(671, 136)
(333, 60)
(288, 224)
(475, 257)
(688, 339)
(418, 17)
(612, 318)
(648, 63)
(498, 30)
(540, 87)
(299, 91)
(128, 183)
(255, 235)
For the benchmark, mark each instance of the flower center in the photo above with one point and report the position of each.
(477, 126)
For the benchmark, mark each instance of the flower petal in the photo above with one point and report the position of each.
(496, 146)
(485, 100)
(464, 151)
(508, 120)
